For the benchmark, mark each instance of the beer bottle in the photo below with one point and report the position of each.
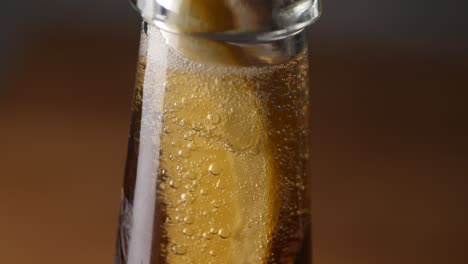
(218, 149)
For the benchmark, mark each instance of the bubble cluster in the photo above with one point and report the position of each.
(232, 158)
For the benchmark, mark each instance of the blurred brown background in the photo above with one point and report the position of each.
(390, 147)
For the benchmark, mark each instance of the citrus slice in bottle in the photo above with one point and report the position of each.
(202, 16)
(219, 178)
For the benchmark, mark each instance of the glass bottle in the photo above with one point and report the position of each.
(217, 159)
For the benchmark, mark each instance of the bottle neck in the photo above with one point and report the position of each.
(233, 21)
(208, 51)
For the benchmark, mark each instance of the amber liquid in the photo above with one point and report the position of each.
(224, 151)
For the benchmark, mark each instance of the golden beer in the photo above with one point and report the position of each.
(218, 152)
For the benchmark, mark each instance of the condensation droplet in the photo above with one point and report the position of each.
(214, 169)
(207, 236)
(178, 249)
(192, 146)
(214, 118)
(187, 231)
(188, 219)
(215, 204)
(167, 130)
(184, 153)
(212, 253)
(188, 136)
(213, 231)
(203, 192)
(174, 184)
(224, 233)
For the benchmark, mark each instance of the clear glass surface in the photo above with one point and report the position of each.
(218, 148)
